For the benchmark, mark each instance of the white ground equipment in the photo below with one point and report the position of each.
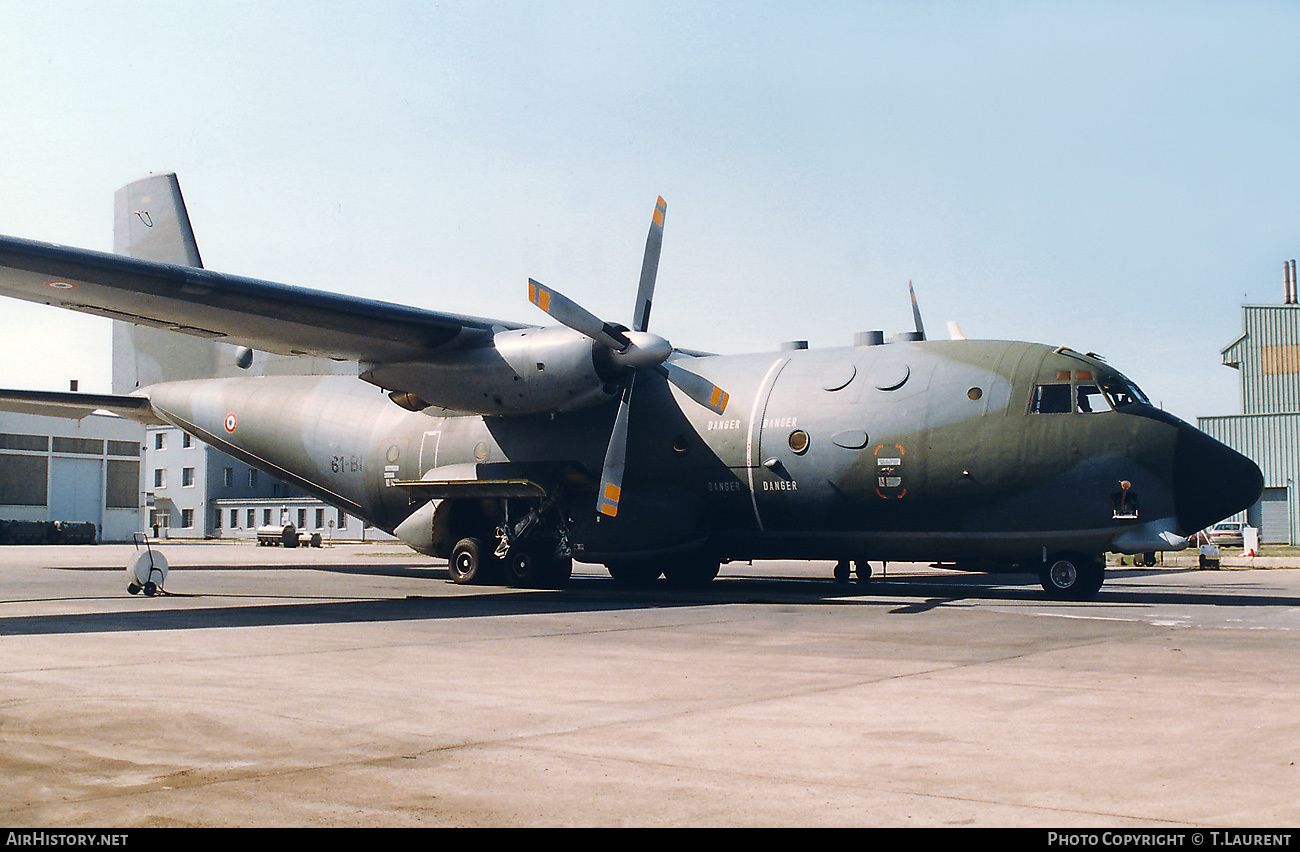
(146, 571)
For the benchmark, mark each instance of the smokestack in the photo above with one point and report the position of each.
(1286, 282)
(1295, 285)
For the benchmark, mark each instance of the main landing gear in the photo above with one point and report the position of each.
(529, 565)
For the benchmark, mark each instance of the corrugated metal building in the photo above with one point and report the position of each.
(1268, 430)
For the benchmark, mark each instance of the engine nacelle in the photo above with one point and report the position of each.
(524, 371)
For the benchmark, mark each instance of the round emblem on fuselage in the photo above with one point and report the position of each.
(230, 422)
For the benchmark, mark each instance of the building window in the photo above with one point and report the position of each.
(252, 519)
(159, 477)
(23, 480)
(187, 519)
(266, 517)
(228, 477)
(234, 519)
(252, 477)
(320, 519)
(160, 440)
(187, 440)
(122, 490)
(302, 519)
(187, 477)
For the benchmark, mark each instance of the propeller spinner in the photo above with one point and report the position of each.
(633, 349)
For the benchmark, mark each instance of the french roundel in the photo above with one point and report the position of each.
(230, 422)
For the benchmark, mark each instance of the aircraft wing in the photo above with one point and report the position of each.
(244, 311)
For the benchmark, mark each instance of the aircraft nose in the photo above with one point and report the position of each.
(1211, 481)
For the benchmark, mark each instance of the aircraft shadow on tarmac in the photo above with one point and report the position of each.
(596, 594)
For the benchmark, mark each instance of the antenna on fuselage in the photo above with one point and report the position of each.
(916, 313)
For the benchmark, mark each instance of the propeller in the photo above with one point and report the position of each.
(633, 349)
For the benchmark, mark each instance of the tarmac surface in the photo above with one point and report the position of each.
(356, 686)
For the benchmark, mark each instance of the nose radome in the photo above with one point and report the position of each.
(1211, 481)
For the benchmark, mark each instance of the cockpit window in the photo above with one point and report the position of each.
(1052, 399)
(1089, 399)
(1066, 398)
(1122, 392)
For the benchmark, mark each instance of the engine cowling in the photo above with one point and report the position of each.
(523, 371)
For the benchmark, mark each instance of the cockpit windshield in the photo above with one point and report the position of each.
(1085, 395)
(1121, 392)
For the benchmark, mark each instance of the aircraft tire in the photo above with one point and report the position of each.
(1072, 576)
(537, 568)
(469, 563)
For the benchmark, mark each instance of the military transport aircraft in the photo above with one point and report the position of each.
(514, 448)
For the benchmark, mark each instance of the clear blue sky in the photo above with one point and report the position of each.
(1115, 177)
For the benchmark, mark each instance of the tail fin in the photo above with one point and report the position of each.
(150, 223)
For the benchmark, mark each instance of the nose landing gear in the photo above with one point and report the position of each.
(1072, 576)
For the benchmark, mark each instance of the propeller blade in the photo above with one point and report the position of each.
(698, 388)
(649, 268)
(611, 476)
(576, 317)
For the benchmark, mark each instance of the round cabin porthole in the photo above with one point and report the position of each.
(799, 441)
(680, 444)
(975, 393)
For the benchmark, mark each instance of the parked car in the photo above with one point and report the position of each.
(1226, 534)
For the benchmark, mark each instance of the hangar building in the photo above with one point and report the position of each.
(57, 469)
(1267, 354)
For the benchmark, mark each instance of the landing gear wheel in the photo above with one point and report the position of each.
(842, 569)
(1071, 576)
(133, 588)
(537, 568)
(863, 569)
(523, 567)
(469, 562)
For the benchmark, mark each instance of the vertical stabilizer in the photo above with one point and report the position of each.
(150, 223)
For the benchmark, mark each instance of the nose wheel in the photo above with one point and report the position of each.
(845, 568)
(1072, 576)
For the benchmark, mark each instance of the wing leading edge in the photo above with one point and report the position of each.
(244, 311)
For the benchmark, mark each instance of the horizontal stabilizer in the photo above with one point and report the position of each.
(75, 406)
